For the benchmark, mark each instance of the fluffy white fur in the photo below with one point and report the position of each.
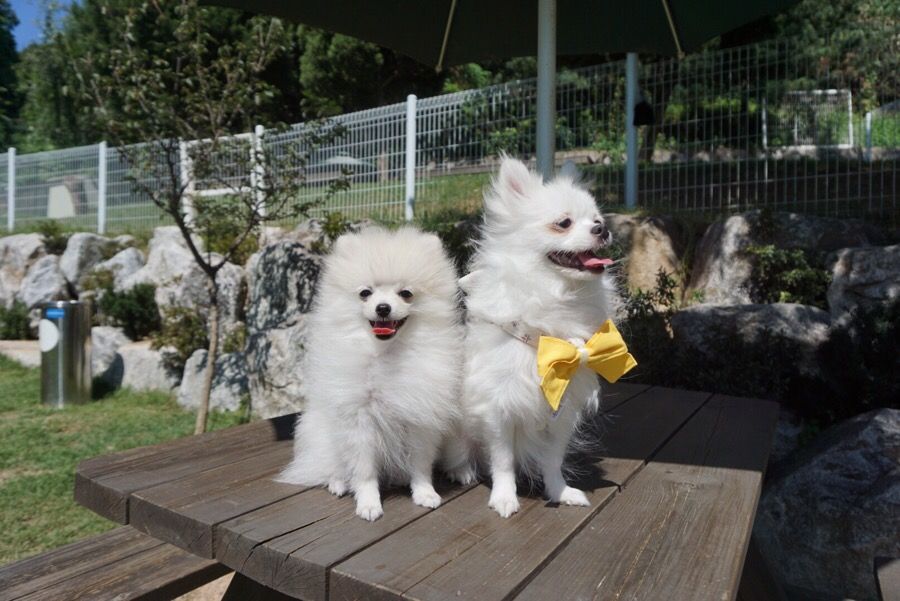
(513, 280)
(378, 409)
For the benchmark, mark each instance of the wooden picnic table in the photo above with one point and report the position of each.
(673, 495)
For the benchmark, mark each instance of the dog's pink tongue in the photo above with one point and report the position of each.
(379, 331)
(593, 263)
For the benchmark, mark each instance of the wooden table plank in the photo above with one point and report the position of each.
(184, 512)
(465, 550)
(680, 529)
(104, 484)
(317, 530)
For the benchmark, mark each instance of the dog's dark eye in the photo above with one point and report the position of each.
(407, 294)
(564, 224)
(365, 293)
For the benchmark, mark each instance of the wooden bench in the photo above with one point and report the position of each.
(673, 492)
(122, 564)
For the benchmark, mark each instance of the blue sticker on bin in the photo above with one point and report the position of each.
(54, 313)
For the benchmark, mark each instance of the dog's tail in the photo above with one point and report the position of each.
(313, 462)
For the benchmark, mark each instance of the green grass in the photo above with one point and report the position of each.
(40, 447)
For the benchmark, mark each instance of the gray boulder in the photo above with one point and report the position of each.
(17, 254)
(702, 329)
(167, 258)
(143, 369)
(833, 507)
(274, 361)
(190, 291)
(121, 266)
(862, 277)
(650, 246)
(82, 253)
(43, 282)
(179, 282)
(230, 383)
(722, 270)
(106, 363)
(282, 282)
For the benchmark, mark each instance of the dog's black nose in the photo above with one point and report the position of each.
(600, 231)
(383, 309)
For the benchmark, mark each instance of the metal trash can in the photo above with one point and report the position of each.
(64, 336)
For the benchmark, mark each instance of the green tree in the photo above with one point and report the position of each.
(192, 91)
(9, 97)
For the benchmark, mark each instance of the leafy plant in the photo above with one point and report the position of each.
(133, 310)
(333, 226)
(183, 331)
(15, 322)
(55, 238)
(785, 276)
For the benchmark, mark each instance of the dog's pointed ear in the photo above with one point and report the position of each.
(515, 179)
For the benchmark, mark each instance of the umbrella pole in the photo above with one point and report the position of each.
(546, 87)
(631, 84)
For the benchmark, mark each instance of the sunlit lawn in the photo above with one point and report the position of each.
(40, 447)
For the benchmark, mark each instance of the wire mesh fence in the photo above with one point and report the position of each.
(721, 131)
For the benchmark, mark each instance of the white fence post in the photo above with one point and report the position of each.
(869, 137)
(850, 116)
(410, 156)
(11, 189)
(257, 176)
(101, 188)
(187, 181)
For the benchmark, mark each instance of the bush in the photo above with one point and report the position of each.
(862, 363)
(786, 276)
(55, 239)
(183, 332)
(133, 310)
(14, 322)
(333, 226)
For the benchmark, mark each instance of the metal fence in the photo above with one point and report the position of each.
(724, 131)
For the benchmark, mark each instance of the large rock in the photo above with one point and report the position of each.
(722, 268)
(650, 246)
(43, 282)
(17, 254)
(707, 330)
(282, 282)
(121, 266)
(862, 277)
(82, 253)
(190, 291)
(168, 258)
(835, 506)
(180, 282)
(274, 362)
(143, 368)
(230, 384)
(106, 363)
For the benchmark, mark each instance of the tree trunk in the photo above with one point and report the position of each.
(212, 353)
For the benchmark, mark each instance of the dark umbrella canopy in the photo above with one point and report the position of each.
(499, 29)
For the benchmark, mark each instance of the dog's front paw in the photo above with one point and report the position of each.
(426, 497)
(369, 511)
(504, 503)
(464, 475)
(337, 487)
(572, 496)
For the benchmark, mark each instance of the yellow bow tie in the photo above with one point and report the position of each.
(558, 360)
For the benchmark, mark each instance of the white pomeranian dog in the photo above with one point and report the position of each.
(536, 272)
(383, 368)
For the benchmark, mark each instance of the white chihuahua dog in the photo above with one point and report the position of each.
(536, 273)
(383, 368)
